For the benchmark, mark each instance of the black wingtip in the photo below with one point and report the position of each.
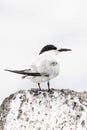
(14, 71)
(6, 70)
(24, 73)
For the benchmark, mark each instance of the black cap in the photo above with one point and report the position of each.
(48, 48)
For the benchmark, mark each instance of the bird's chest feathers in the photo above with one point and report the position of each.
(48, 64)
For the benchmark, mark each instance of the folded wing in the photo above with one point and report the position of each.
(26, 72)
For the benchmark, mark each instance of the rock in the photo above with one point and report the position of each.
(43, 110)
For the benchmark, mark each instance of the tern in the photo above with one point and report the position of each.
(45, 67)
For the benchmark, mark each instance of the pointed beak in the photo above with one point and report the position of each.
(64, 49)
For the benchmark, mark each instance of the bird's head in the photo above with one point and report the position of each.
(53, 49)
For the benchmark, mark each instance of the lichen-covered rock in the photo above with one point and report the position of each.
(43, 110)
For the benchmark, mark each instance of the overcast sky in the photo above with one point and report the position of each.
(27, 25)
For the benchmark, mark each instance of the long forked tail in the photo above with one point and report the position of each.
(24, 72)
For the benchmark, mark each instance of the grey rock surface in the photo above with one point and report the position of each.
(43, 110)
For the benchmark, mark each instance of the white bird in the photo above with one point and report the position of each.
(45, 67)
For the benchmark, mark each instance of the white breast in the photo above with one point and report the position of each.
(45, 64)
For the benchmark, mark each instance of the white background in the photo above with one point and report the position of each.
(27, 25)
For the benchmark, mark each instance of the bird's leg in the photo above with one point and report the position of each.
(39, 86)
(48, 86)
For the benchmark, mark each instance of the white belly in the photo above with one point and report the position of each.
(52, 71)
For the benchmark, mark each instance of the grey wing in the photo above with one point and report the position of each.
(43, 65)
(39, 68)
